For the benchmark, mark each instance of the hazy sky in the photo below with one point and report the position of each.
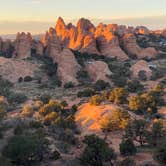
(36, 13)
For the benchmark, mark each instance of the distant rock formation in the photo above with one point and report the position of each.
(134, 50)
(22, 46)
(142, 30)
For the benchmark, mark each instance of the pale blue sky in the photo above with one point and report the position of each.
(48, 10)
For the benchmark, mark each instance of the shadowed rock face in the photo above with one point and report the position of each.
(133, 49)
(22, 46)
(98, 70)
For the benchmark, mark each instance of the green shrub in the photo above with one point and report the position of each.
(127, 147)
(134, 86)
(88, 92)
(24, 149)
(96, 100)
(160, 153)
(28, 79)
(142, 75)
(68, 85)
(101, 85)
(17, 98)
(45, 98)
(97, 152)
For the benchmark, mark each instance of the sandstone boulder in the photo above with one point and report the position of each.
(89, 117)
(139, 66)
(98, 70)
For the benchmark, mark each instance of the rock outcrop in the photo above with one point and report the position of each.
(13, 69)
(141, 65)
(22, 45)
(89, 117)
(98, 70)
(134, 50)
(142, 30)
(67, 67)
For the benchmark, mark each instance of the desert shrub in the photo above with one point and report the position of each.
(127, 147)
(50, 118)
(88, 92)
(157, 73)
(96, 100)
(24, 149)
(68, 85)
(97, 152)
(67, 135)
(157, 133)
(134, 86)
(118, 95)
(4, 161)
(19, 129)
(55, 155)
(5, 87)
(160, 153)
(119, 81)
(27, 111)
(20, 80)
(83, 77)
(17, 98)
(118, 120)
(100, 85)
(45, 98)
(137, 131)
(142, 75)
(28, 79)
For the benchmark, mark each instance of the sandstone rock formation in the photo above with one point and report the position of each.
(142, 30)
(98, 70)
(132, 48)
(67, 67)
(37, 47)
(22, 45)
(13, 69)
(139, 66)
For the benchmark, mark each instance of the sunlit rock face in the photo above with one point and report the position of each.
(98, 70)
(89, 117)
(142, 30)
(67, 64)
(22, 46)
(139, 66)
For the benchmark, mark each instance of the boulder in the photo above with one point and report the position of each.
(98, 70)
(139, 66)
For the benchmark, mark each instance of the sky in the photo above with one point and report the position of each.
(37, 16)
